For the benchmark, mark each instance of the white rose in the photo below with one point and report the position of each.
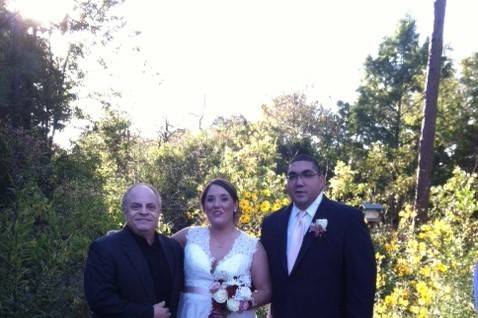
(233, 305)
(322, 223)
(243, 293)
(220, 296)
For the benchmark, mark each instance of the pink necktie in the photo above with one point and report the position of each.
(296, 238)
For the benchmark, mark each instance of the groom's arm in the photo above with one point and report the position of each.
(360, 268)
(101, 287)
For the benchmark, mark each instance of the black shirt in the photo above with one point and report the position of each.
(158, 267)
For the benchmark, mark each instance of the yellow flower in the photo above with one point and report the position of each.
(424, 293)
(414, 309)
(244, 204)
(265, 206)
(390, 300)
(285, 201)
(401, 296)
(254, 196)
(441, 226)
(380, 281)
(276, 206)
(402, 268)
(425, 271)
(403, 302)
(388, 247)
(422, 247)
(422, 235)
(415, 259)
(245, 218)
(426, 228)
(412, 245)
(423, 313)
(441, 267)
(266, 193)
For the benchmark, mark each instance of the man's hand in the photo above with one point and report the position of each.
(160, 311)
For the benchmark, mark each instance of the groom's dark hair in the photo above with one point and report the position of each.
(308, 158)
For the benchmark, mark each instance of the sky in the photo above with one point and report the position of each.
(213, 58)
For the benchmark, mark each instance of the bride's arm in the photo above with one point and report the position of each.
(180, 236)
(260, 277)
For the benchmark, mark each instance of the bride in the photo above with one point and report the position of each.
(220, 252)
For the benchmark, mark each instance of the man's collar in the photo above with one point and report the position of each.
(140, 239)
(312, 208)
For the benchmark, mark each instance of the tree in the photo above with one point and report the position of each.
(34, 102)
(425, 157)
(36, 86)
(34, 94)
(390, 83)
(52, 203)
(466, 150)
(303, 126)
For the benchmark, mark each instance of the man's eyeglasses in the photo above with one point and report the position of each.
(305, 175)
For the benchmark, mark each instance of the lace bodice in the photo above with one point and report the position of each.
(198, 261)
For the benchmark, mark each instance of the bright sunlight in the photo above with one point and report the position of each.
(44, 12)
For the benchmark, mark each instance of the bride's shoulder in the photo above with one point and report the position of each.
(186, 234)
(197, 228)
(249, 241)
(248, 236)
(196, 232)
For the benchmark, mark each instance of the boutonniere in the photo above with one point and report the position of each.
(319, 227)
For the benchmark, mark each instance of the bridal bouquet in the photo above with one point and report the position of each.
(230, 294)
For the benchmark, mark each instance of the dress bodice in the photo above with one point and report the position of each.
(198, 261)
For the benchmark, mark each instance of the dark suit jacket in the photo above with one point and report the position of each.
(117, 279)
(333, 276)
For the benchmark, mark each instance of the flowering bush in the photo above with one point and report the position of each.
(257, 204)
(426, 270)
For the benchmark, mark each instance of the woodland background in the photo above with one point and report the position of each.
(54, 202)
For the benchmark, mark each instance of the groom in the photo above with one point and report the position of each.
(135, 272)
(320, 253)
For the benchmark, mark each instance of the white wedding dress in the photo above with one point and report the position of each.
(196, 301)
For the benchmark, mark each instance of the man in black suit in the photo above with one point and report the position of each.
(321, 257)
(135, 272)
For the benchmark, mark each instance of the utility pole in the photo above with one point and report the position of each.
(425, 156)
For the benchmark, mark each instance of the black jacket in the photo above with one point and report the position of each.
(117, 280)
(334, 274)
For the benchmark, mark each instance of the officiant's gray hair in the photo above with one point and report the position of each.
(125, 198)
